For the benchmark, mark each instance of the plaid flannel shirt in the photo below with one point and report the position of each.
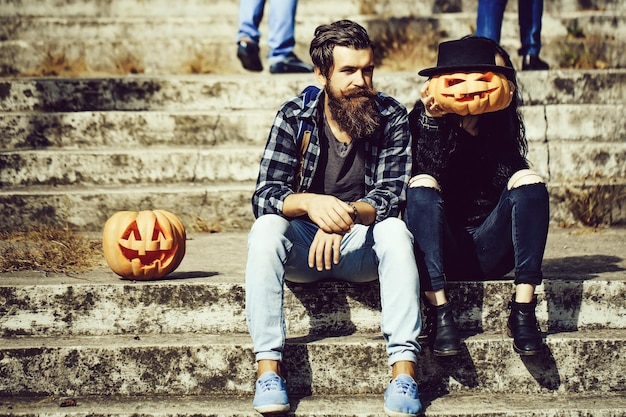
(387, 167)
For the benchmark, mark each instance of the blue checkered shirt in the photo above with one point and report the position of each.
(387, 167)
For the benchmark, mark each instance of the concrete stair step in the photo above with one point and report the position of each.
(214, 206)
(315, 365)
(114, 51)
(148, 129)
(199, 364)
(226, 206)
(603, 24)
(568, 143)
(552, 123)
(461, 404)
(329, 8)
(583, 289)
(117, 167)
(164, 9)
(263, 91)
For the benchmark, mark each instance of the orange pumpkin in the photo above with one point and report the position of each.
(143, 245)
(471, 93)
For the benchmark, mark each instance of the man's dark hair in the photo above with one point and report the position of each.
(341, 33)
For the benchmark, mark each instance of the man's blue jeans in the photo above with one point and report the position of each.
(530, 12)
(513, 236)
(281, 39)
(278, 249)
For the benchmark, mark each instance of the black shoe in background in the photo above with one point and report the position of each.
(248, 54)
(290, 64)
(533, 63)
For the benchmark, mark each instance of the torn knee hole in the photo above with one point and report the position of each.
(423, 180)
(524, 177)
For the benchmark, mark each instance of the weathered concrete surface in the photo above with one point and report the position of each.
(115, 37)
(162, 128)
(263, 91)
(226, 206)
(584, 289)
(454, 404)
(97, 133)
(113, 167)
(200, 364)
(186, 335)
(134, 130)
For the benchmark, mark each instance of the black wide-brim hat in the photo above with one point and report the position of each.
(472, 54)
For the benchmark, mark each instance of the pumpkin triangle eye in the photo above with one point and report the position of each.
(158, 231)
(487, 77)
(453, 81)
(132, 229)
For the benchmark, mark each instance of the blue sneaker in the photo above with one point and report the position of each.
(402, 398)
(270, 395)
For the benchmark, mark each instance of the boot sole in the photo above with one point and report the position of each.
(443, 353)
(522, 352)
(272, 408)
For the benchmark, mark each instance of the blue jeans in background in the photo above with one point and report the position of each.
(278, 249)
(281, 38)
(512, 237)
(489, 22)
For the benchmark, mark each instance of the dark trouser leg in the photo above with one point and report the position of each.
(425, 219)
(519, 222)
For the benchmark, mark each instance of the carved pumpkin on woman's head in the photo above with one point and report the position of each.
(143, 245)
(467, 79)
(471, 93)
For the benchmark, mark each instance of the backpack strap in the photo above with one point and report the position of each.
(304, 131)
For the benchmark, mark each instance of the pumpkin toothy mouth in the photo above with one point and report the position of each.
(148, 258)
(478, 95)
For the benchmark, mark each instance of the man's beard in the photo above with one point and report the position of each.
(356, 112)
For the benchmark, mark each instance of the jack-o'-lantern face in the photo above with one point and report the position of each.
(471, 93)
(143, 245)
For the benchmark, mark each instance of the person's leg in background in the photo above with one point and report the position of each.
(248, 35)
(530, 15)
(281, 40)
(489, 18)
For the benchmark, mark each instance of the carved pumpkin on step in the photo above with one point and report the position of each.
(143, 245)
(471, 93)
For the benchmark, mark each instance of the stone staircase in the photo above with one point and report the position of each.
(180, 347)
(150, 109)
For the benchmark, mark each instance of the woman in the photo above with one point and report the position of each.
(475, 208)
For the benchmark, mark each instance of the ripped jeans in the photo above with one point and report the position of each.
(512, 237)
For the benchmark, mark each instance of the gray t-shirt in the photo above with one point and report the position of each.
(341, 169)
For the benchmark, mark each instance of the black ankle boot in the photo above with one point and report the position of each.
(522, 326)
(441, 330)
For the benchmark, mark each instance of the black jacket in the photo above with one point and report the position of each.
(471, 170)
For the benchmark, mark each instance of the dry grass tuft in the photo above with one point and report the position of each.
(128, 64)
(199, 64)
(49, 249)
(593, 206)
(581, 51)
(58, 64)
(402, 47)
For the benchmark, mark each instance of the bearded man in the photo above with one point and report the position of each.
(341, 221)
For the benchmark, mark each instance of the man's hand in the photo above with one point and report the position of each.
(325, 250)
(330, 213)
